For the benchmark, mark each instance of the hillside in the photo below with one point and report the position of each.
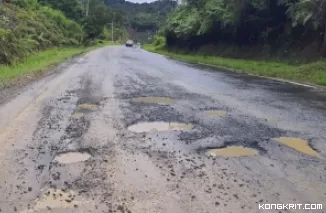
(31, 26)
(145, 17)
(252, 28)
(284, 39)
(24, 30)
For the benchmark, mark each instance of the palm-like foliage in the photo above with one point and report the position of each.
(308, 13)
(247, 21)
(305, 11)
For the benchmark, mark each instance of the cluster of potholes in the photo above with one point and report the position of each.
(297, 144)
(61, 195)
(83, 105)
(65, 198)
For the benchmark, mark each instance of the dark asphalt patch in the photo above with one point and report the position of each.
(76, 128)
(151, 113)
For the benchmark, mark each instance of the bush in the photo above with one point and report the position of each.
(28, 27)
(30, 4)
(159, 41)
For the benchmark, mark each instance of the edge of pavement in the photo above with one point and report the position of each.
(311, 86)
(13, 87)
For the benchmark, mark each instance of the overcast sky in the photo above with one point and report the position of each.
(141, 1)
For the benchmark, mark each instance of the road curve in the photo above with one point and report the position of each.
(84, 139)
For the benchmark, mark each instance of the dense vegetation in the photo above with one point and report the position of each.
(28, 26)
(23, 31)
(277, 27)
(145, 17)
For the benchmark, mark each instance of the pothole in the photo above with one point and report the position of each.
(154, 100)
(56, 199)
(298, 144)
(232, 151)
(159, 126)
(217, 113)
(72, 157)
(77, 115)
(87, 106)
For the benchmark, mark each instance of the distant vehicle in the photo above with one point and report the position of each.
(129, 43)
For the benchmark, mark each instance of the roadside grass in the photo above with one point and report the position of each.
(40, 62)
(310, 73)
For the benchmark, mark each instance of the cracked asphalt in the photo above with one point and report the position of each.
(86, 107)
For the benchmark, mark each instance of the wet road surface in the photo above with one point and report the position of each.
(124, 130)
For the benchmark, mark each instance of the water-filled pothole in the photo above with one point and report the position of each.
(298, 144)
(56, 199)
(72, 157)
(77, 115)
(153, 100)
(159, 126)
(217, 113)
(232, 151)
(87, 106)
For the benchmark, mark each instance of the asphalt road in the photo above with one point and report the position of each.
(79, 140)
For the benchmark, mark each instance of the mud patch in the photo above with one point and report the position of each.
(154, 100)
(72, 157)
(299, 145)
(217, 113)
(90, 103)
(232, 151)
(55, 199)
(159, 126)
(77, 115)
(88, 106)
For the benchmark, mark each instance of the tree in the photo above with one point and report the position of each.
(145, 16)
(308, 12)
(99, 16)
(270, 23)
(71, 8)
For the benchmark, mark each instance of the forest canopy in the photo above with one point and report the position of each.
(145, 16)
(272, 23)
(29, 26)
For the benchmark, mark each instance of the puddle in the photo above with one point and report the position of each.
(298, 144)
(158, 126)
(87, 106)
(56, 199)
(72, 157)
(153, 100)
(232, 151)
(77, 115)
(218, 113)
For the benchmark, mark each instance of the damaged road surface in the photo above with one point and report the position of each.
(124, 130)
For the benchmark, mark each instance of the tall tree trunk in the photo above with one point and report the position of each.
(323, 48)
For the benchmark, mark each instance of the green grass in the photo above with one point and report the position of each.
(40, 62)
(311, 73)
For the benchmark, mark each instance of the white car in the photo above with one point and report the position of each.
(129, 43)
